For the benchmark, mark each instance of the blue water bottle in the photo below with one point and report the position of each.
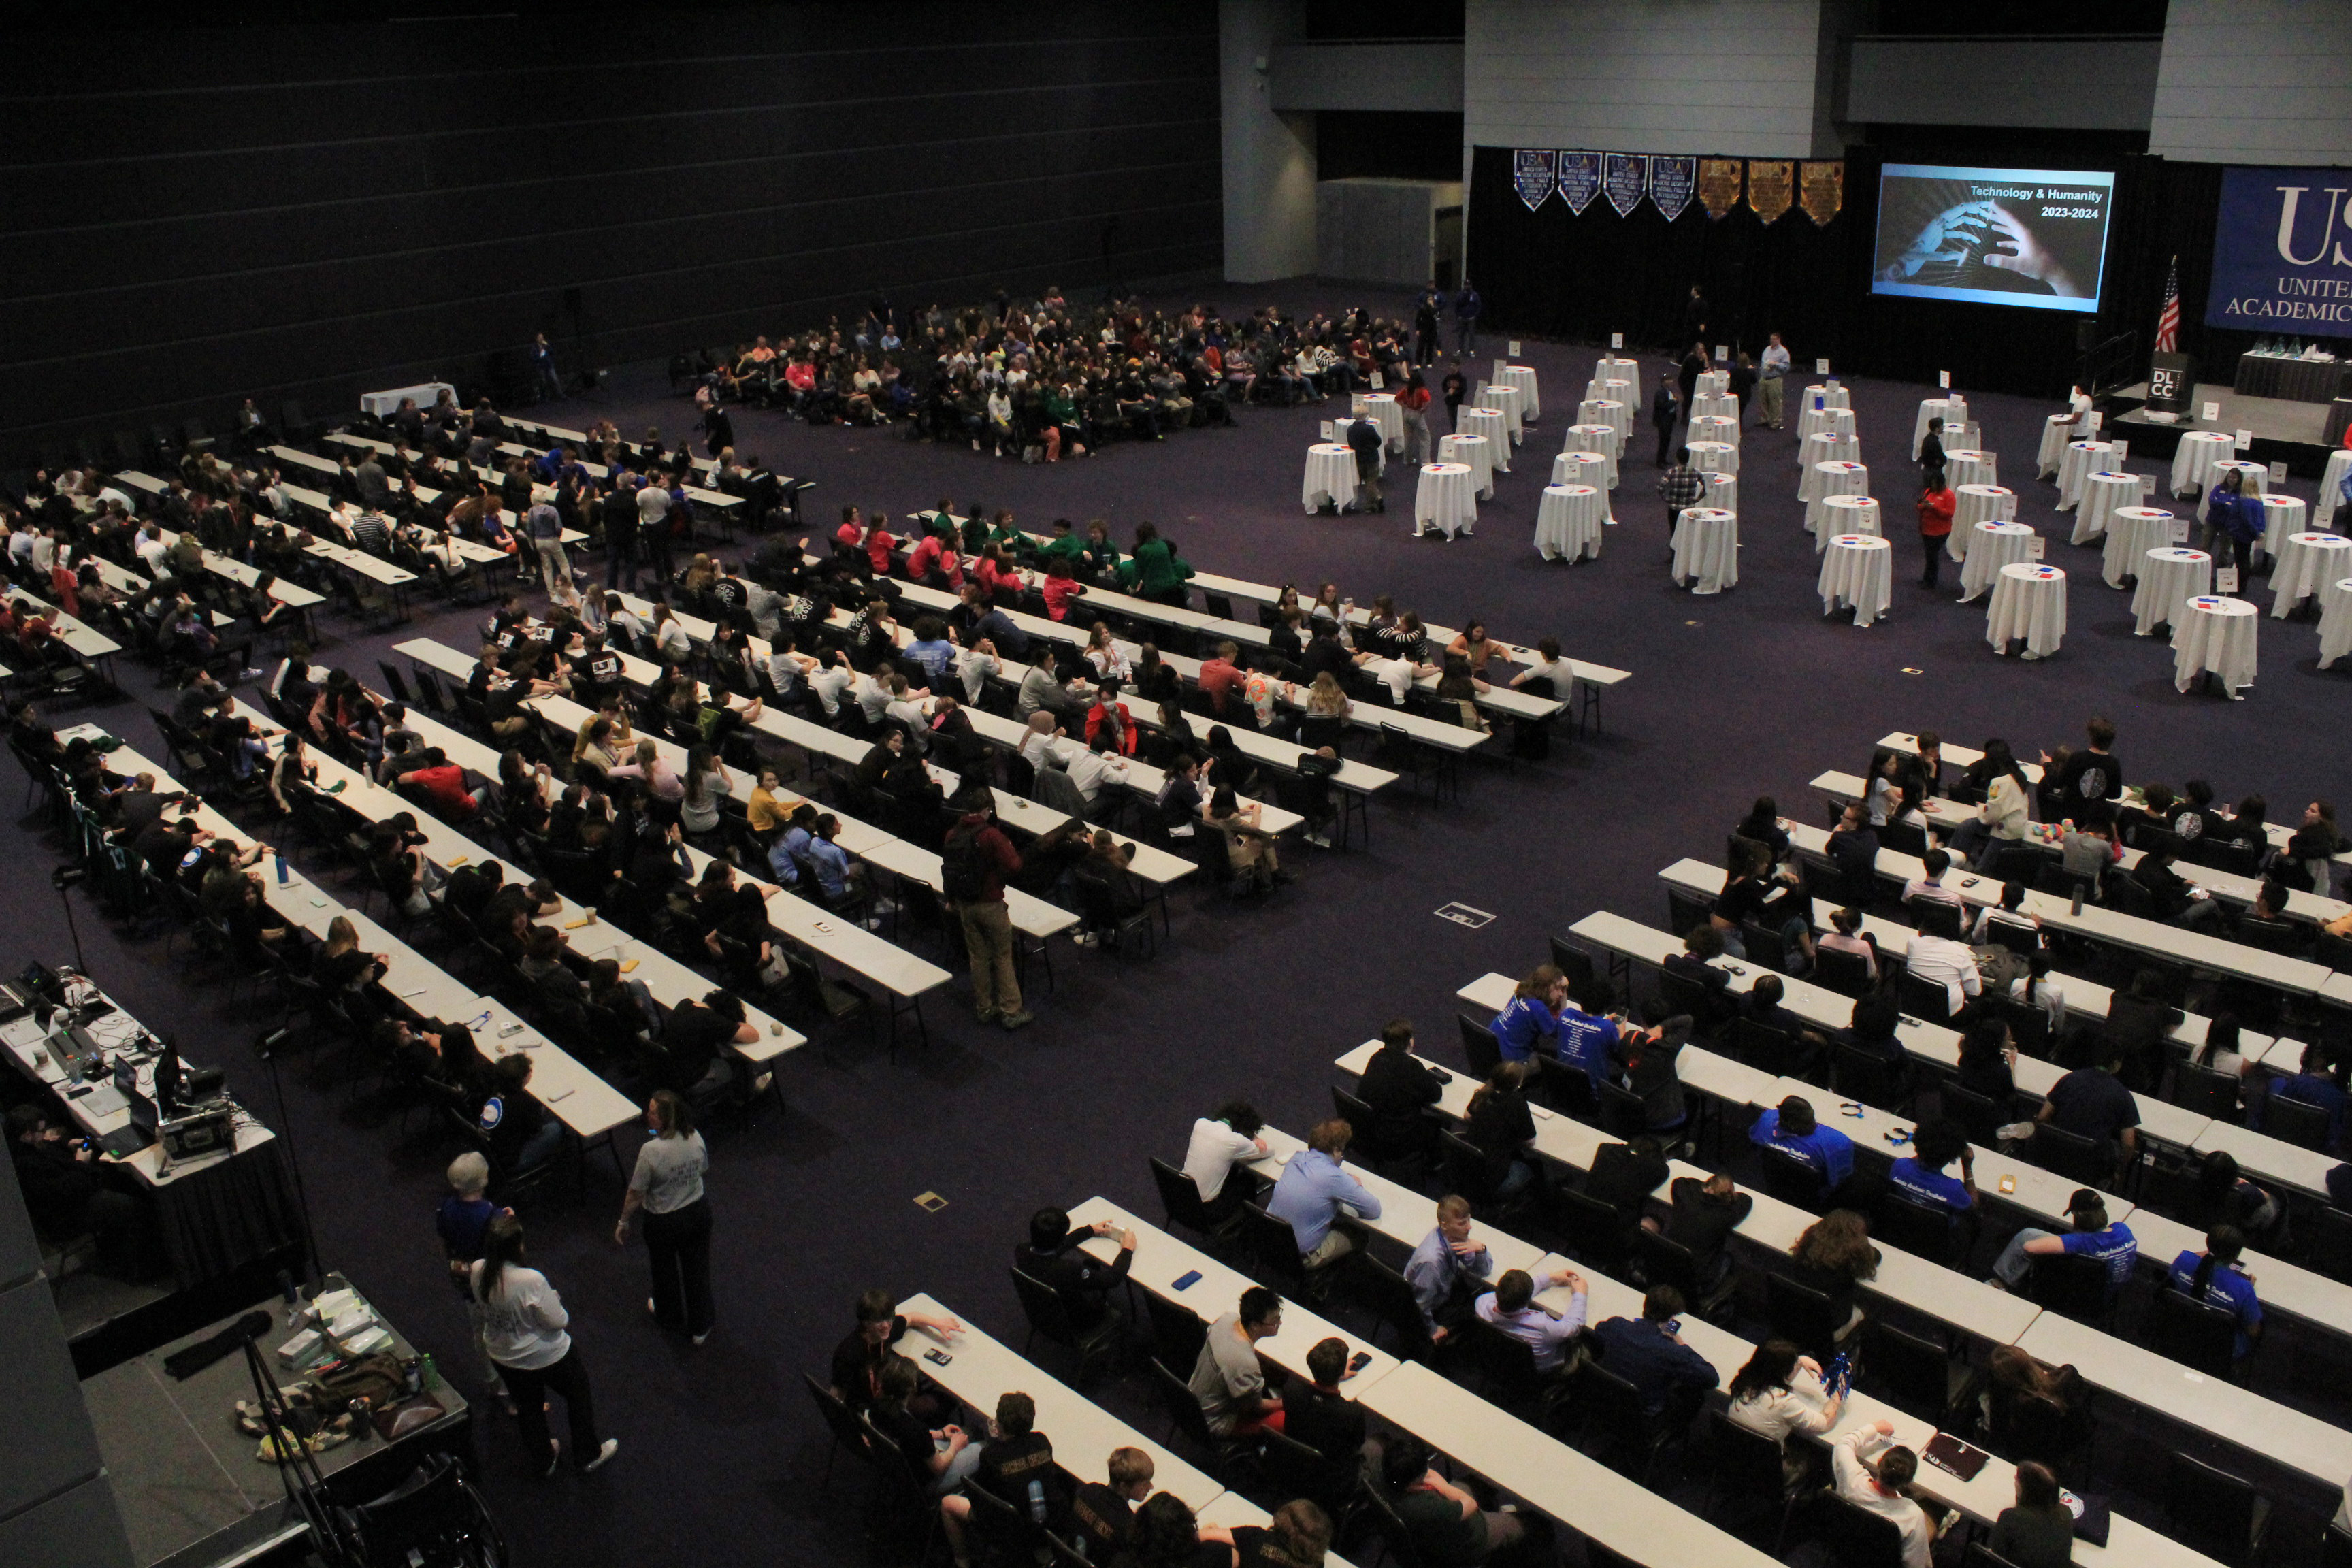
(280, 856)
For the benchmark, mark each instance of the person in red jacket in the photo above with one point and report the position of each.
(1937, 504)
(1108, 709)
(973, 864)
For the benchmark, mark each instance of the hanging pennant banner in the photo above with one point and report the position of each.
(1532, 171)
(1671, 180)
(1625, 176)
(1718, 185)
(1771, 185)
(1820, 187)
(1579, 180)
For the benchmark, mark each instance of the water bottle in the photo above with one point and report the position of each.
(1037, 1501)
(281, 856)
(2075, 907)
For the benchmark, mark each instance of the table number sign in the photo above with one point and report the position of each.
(1771, 185)
(1723, 354)
(2178, 528)
(1616, 340)
(1579, 180)
(2225, 580)
(1535, 170)
(1944, 379)
(2040, 545)
(1820, 367)
(1672, 181)
(2211, 411)
(1515, 348)
(1625, 176)
(2278, 473)
(1718, 185)
(2242, 439)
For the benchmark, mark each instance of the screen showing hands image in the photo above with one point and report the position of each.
(2035, 238)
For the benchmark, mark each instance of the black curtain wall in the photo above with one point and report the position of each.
(1551, 273)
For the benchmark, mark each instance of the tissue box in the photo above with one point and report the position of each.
(353, 1323)
(375, 1338)
(302, 1349)
(333, 1304)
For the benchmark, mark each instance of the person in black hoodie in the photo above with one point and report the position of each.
(1053, 1256)
(1399, 1085)
(1646, 1058)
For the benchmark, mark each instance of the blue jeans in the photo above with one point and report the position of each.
(1517, 1177)
(541, 1147)
(1734, 944)
(1967, 842)
(1466, 335)
(2014, 1264)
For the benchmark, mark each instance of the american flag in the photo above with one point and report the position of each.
(2168, 320)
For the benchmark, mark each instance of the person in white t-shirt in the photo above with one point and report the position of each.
(1780, 1393)
(1219, 1143)
(1882, 1486)
(527, 1333)
(1560, 672)
(833, 682)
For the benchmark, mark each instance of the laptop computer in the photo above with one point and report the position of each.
(141, 1131)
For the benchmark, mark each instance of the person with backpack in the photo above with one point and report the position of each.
(973, 866)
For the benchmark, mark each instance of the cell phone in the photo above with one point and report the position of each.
(1186, 1281)
(1441, 1075)
(1359, 1361)
(937, 1357)
(1674, 1325)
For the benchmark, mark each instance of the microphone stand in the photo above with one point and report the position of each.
(267, 1045)
(63, 877)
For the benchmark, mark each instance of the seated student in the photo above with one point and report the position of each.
(1701, 944)
(1920, 1176)
(522, 1135)
(1530, 1023)
(2091, 1103)
(1589, 1028)
(1499, 1122)
(1788, 1131)
(1016, 1465)
(1400, 1087)
(1702, 1217)
(2039, 1531)
(1314, 1410)
(2009, 914)
(1847, 936)
(1511, 1307)
(1052, 1255)
(2094, 1236)
(945, 1454)
(1222, 1146)
(1298, 1536)
(1881, 1486)
(1929, 888)
(1778, 1393)
(1443, 1267)
(2215, 1278)
(1807, 1044)
(1102, 1513)
(1645, 1058)
(2317, 1083)
(1647, 1352)
(2223, 1196)
(1315, 1190)
(2176, 900)
(1227, 1379)
(1623, 1175)
(1835, 1256)
(1166, 1532)
(1447, 1527)
(1763, 823)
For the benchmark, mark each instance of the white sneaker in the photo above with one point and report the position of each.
(249, 674)
(554, 1457)
(759, 1086)
(704, 1334)
(611, 1446)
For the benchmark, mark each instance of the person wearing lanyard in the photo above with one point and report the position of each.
(667, 1185)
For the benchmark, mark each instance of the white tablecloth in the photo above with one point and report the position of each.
(1382, 407)
(2217, 635)
(1568, 520)
(1832, 396)
(1833, 479)
(1968, 466)
(1714, 405)
(1847, 514)
(1714, 456)
(1607, 369)
(1952, 410)
(1722, 490)
(2334, 622)
(2258, 475)
(1857, 574)
(2305, 562)
(2029, 600)
(2057, 432)
(1595, 468)
(1610, 412)
(1823, 447)
(1598, 438)
(1990, 547)
(381, 404)
(1523, 378)
(1714, 382)
(1707, 549)
(2283, 516)
(2193, 459)
(2170, 576)
(1983, 503)
(2102, 492)
(1330, 476)
(2132, 533)
(1444, 499)
(1491, 423)
(1504, 400)
(1471, 450)
(1813, 421)
(2331, 487)
(1714, 428)
(2078, 462)
(1613, 392)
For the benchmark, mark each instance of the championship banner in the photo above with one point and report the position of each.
(1531, 171)
(1579, 180)
(1718, 185)
(1625, 177)
(2280, 263)
(1771, 186)
(1820, 189)
(1671, 180)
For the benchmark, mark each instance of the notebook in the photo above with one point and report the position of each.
(1954, 1458)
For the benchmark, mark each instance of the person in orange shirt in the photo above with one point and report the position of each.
(1937, 504)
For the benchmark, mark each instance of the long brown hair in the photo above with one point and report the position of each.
(1839, 1242)
(1506, 1078)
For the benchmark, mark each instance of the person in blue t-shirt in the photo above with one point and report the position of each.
(1791, 1129)
(2314, 1085)
(1920, 1176)
(2215, 1277)
(1588, 1031)
(1530, 1023)
(2094, 1236)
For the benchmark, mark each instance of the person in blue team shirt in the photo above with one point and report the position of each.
(2215, 1277)
(2314, 1085)
(1920, 1175)
(2094, 1236)
(1588, 1031)
(1315, 1189)
(1790, 1128)
(1530, 1023)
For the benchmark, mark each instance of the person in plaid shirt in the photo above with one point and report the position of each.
(1679, 487)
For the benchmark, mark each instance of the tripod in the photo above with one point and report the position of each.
(61, 879)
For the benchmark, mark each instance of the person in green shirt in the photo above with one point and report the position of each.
(1156, 572)
(1066, 545)
(1100, 556)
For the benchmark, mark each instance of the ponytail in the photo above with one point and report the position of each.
(2203, 1276)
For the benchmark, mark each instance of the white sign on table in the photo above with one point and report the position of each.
(2179, 528)
(2242, 439)
(1944, 379)
(1722, 353)
(2123, 450)
(1820, 367)
(1616, 340)
(2040, 544)
(1515, 348)
(2225, 580)
(2213, 411)
(2278, 473)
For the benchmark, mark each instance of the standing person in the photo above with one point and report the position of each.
(463, 1221)
(620, 511)
(1663, 415)
(1772, 371)
(1455, 388)
(546, 528)
(1931, 448)
(1364, 439)
(527, 1333)
(1425, 312)
(667, 1185)
(1743, 381)
(973, 866)
(542, 369)
(1686, 374)
(2231, 510)
(1679, 487)
(1466, 307)
(1937, 504)
(1413, 399)
(1694, 315)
